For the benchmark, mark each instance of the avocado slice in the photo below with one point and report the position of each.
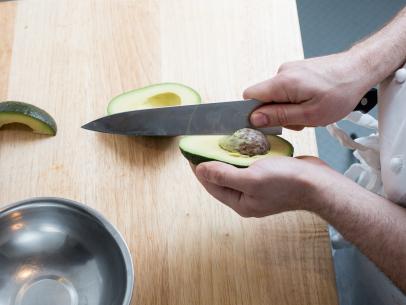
(198, 149)
(23, 113)
(158, 95)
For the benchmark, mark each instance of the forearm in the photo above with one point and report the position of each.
(382, 53)
(375, 225)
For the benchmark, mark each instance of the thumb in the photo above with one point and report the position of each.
(280, 115)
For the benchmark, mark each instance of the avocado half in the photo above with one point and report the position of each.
(23, 113)
(154, 96)
(198, 149)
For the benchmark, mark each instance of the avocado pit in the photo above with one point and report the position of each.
(246, 141)
(163, 99)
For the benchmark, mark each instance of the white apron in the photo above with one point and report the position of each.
(392, 129)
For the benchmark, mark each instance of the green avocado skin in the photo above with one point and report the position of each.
(32, 111)
(197, 159)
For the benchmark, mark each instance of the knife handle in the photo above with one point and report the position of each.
(368, 102)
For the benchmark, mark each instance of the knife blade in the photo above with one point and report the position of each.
(201, 119)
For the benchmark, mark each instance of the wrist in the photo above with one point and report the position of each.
(366, 68)
(323, 189)
(315, 181)
(334, 196)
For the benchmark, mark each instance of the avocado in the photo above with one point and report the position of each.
(198, 149)
(23, 113)
(158, 95)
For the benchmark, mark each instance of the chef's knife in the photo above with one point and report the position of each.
(201, 119)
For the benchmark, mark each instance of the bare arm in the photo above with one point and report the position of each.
(385, 51)
(375, 225)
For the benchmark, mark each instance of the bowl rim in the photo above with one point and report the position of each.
(111, 229)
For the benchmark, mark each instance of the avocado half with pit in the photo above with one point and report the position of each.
(154, 96)
(32, 116)
(198, 149)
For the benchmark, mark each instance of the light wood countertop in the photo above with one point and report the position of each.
(71, 57)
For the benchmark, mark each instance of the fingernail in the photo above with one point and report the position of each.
(259, 119)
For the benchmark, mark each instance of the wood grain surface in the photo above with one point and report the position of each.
(71, 57)
(7, 16)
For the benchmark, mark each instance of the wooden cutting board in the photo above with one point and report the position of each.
(71, 57)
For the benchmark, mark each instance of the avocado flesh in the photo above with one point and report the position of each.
(154, 96)
(22, 113)
(198, 149)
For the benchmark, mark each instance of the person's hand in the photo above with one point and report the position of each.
(316, 92)
(268, 186)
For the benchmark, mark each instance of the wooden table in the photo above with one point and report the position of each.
(71, 56)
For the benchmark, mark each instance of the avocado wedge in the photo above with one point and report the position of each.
(198, 149)
(23, 113)
(158, 95)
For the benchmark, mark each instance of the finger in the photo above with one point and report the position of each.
(280, 115)
(222, 174)
(226, 195)
(234, 199)
(271, 90)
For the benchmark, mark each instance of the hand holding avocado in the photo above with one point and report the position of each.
(269, 186)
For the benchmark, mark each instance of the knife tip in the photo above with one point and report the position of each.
(86, 126)
(95, 126)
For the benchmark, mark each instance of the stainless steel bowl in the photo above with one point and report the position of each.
(59, 252)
